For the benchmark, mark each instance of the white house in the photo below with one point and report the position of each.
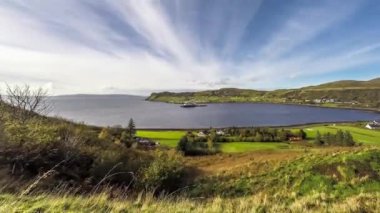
(201, 134)
(373, 125)
(220, 133)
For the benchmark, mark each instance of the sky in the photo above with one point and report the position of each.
(141, 46)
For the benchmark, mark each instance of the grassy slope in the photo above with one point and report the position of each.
(339, 181)
(361, 135)
(374, 83)
(338, 174)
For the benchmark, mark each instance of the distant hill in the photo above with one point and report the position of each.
(374, 83)
(353, 94)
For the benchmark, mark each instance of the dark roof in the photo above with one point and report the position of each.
(374, 125)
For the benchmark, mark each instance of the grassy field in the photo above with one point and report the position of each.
(171, 138)
(166, 138)
(360, 134)
(238, 147)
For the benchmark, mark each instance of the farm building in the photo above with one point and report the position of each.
(295, 139)
(145, 142)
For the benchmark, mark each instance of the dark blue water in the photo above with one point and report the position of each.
(118, 109)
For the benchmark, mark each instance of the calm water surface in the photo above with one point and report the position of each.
(112, 110)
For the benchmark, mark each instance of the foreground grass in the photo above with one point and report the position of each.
(330, 180)
(316, 202)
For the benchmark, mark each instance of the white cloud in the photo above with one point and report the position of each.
(69, 47)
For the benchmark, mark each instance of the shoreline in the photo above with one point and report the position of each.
(294, 104)
(243, 127)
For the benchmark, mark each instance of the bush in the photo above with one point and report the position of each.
(164, 172)
(88, 167)
(36, 159)
(34, 130)
(119, 166)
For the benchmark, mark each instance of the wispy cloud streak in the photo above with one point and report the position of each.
(170, 45)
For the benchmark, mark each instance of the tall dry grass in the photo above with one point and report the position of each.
(147, 202)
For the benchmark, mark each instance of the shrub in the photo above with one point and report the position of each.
(35, 159)
(164, 172)
(118, 166)
(105, 135)
(31, 131)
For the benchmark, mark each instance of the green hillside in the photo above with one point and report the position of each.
(374, 83)
(353, 94)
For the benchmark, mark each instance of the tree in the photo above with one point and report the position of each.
(125, 139)
(183, 144)
(318, 139)
(258, 137)
(131, 129)
(2, 113)
(212, 138)
(348, 140)
(328, 138)
(26, 102)
(282, 135)
(339, 137)
(2, 107)
(302, 134)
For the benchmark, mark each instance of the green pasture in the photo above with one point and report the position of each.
(236, 147)
(166, 138)
(360, 134)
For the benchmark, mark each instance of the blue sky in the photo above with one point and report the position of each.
(139, 46)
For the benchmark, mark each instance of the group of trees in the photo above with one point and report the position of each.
(262, 134)
(126, 136)
(191, 145)
(341, 138)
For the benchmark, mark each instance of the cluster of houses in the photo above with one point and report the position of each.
(324, 100)
(332, 100)
(205, 133)
(373, 125)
